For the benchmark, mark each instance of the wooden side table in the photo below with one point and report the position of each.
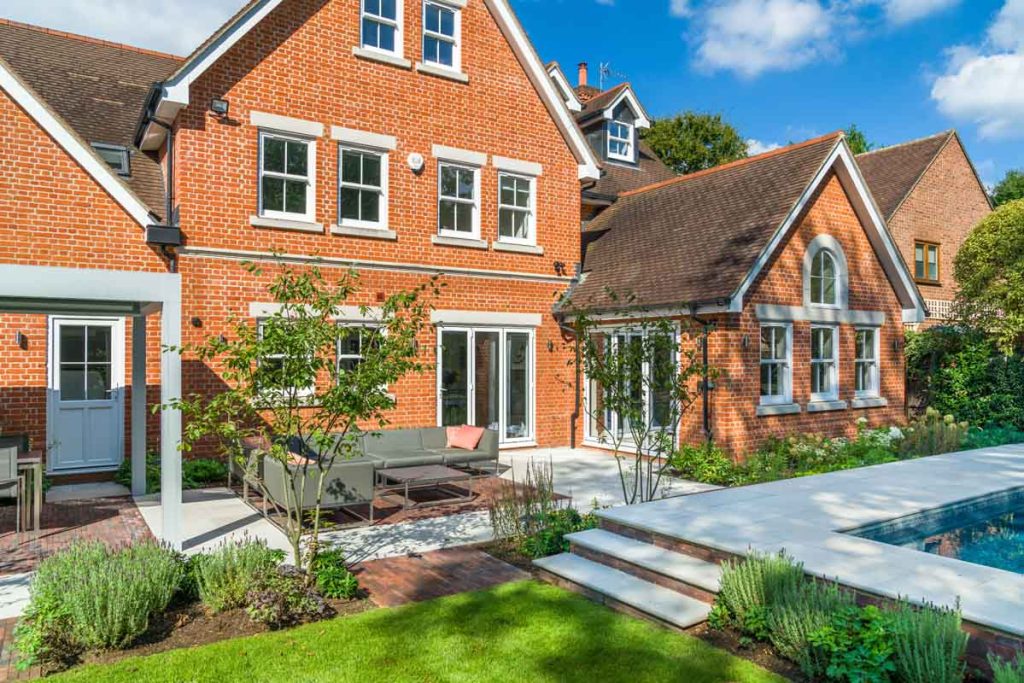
(31, 464)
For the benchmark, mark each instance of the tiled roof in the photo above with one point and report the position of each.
(97, 87)
(892, 172)
(693, 239)
(617, 178)
(599, 102)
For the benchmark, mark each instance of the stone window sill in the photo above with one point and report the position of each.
(826, 406)
(778, 409)
(441, 72)
(382, 57)
(368, 233)
(464, 242)
(875, 402)
(284, 224)
(518, 248)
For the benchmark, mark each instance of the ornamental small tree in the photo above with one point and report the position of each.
(989, 270)
(643, 377)
(287, 391)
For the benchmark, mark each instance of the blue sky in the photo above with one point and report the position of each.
(780, 70)
(786, 70)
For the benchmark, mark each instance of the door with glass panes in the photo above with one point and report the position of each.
(486, 379)
(86, 394)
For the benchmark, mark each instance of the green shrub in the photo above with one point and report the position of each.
(1007, 671)
(333, 578)
(932, 434)
(929, 644)
(993, 435)
(92, 597)
(195, 474)
(705, 463)
(226, 576)
(549, 537)
(857, 645)
(797, 613)
(750, 587)
(280, 597)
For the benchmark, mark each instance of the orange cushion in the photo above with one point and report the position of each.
(465, 437)
(296, 459)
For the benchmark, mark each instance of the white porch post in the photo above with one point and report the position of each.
(170, 422)
(139, 405)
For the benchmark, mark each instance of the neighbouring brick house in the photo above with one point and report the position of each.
(931, 196)
(788, 260)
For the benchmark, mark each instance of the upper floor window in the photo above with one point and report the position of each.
(286, 177)
(867, 362)
(115, 156)
(459, 200)
(620, 140)
(382, 25)
(362, 194)
(441, 34)
(926, 262)
(824, 279)
(776, 364)
(824, 360)
(516, 209)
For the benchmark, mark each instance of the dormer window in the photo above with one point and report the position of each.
(620, 141)
(116, 157)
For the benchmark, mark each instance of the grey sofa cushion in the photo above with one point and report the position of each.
(347, 482)
(434, 438)
(460, 455)
(393, 441)
(407, 458)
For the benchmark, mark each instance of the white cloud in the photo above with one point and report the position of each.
(176, 26)
(755, 147)
(905, 11)
(985, 84)
(749, 37)
(679, 8)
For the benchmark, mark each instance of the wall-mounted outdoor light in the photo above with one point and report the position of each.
(220, 107)
(21, 340)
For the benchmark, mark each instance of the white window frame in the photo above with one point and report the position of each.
(833, 394)
(873, 389)
(382, 222)
(310, 214)
(837, 274)
(454, 40)
(395, 23)
(630, 141)
(475, 202)
(503, 388)
(300, 392)
(531, 211)
(786, 377)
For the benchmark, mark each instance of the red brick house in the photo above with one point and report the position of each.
(787, 259)
(931, 196)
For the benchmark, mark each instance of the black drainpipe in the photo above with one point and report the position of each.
(705, 385)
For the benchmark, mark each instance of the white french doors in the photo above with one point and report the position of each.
(85, 429)
(485, 377)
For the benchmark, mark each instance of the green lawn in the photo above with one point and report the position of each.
(517, 632)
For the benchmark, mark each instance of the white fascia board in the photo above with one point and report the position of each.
(516, 166)
(176, 88)
(286, 124)
(516, 36)
(643, 120)
(362, 138)
(461, 156)
(568, 94)
(486, 318)
(73, 145)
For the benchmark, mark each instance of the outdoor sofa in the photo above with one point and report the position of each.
(351, 481)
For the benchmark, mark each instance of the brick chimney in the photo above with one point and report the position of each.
(583, 74)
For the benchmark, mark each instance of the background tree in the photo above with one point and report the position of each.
(651, 359)
(694, 141)
(287, 394)
(858, 142)
(1009, 189)
(989, 270)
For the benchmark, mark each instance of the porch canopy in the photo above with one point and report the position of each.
(49, 290)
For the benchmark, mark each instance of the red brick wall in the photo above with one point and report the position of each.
(943, 208)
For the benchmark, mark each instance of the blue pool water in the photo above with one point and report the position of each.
(987, 531)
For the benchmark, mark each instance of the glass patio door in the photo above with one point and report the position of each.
(485, 378)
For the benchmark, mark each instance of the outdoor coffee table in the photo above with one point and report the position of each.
(407, 479)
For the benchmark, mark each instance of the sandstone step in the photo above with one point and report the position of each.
(648, 598)
(676, 566)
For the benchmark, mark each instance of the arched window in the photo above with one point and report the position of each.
(824, 279)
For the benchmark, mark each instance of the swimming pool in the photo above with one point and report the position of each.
(988, 531)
